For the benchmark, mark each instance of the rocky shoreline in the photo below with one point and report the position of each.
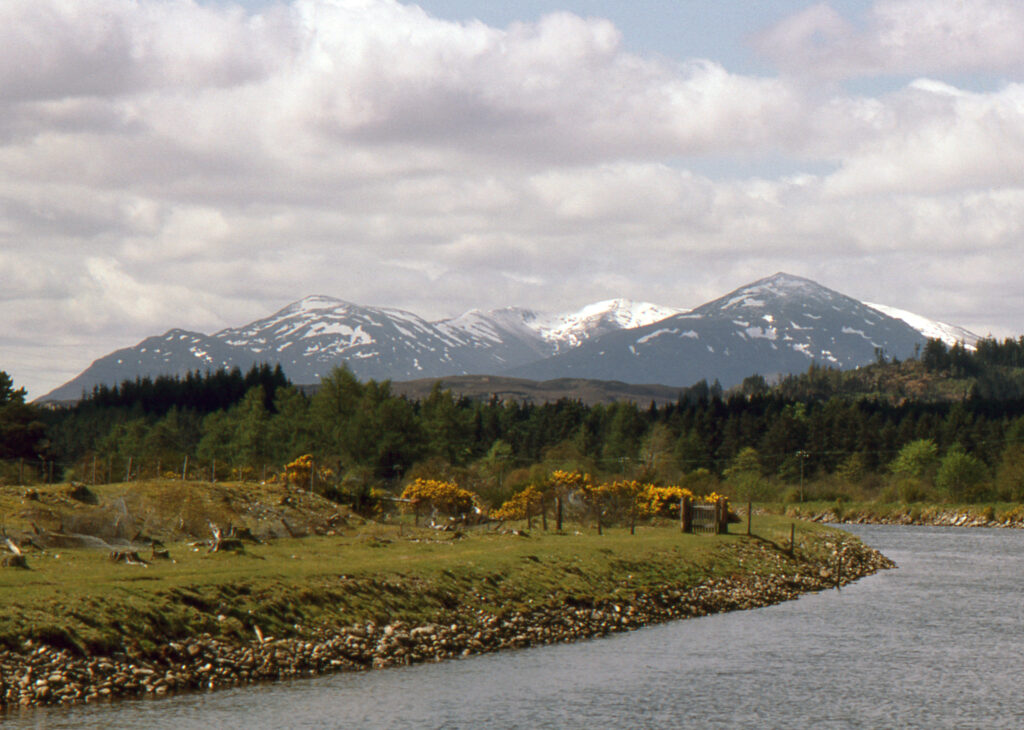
(925, 517)
(38, 674)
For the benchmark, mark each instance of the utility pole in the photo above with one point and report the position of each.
(802, 455)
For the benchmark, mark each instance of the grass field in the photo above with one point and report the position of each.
(364, 571)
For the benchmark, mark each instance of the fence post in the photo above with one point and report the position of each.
(722, 513)
(184, 468)
(558, 513)
(128, 471)
(686, 514)
(792, 538)
(94, 470)
(750, 511)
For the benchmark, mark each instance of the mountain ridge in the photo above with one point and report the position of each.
(773, 326)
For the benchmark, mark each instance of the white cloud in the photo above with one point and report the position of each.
(169, 164)
(900, 37)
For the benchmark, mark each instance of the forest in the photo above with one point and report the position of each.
(945, 426)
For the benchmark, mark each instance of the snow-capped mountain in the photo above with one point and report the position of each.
(310, 337)
(948, 333)
(776, 325)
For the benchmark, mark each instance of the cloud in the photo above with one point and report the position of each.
(168, 164)
(900, 37)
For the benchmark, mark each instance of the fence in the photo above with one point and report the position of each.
(110, 469)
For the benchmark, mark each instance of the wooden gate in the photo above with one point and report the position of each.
(705, 518)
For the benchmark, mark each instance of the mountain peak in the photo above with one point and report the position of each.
(314, 303)
(780, 287)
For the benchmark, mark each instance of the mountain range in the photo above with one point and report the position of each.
(777, 325)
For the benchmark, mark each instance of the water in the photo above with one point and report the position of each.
(935, 643)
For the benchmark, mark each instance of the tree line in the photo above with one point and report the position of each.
(801, 438)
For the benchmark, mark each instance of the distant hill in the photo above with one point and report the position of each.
(589, 392)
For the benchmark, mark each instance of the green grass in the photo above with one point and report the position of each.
(80, 599)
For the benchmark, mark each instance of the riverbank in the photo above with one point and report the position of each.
(97, 630)
(1006, 515)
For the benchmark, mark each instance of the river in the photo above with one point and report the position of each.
(938, 642)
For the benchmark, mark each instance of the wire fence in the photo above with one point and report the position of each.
(99, 469)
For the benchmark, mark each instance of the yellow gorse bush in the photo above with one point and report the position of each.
(298, 471)
(662, 500)
(571, 480)
(446, 497)
(530, 500)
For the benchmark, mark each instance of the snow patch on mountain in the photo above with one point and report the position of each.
(930, 328)
(572, 328)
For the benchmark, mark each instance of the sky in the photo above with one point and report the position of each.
(175, 163)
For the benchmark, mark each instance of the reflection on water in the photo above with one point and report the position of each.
(935, 643)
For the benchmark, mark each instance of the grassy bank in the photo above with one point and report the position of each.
(375, 573)
(355, 571)
(352, 594)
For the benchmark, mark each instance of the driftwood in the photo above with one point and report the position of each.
(224, 541)
(292, 532)
(127, 557)
(140, 539)
(16, 559)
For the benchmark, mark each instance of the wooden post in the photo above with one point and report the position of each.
(158, 468)
(94, 470)
(110, 470)
(792, 538)
(632, 518)
(544, 513)
(416, 512)
(558, 513)
(597, 503)
(312, 474)
(213, 471)
(184, 468)
(722, 514)
(750, 511)
(529, 516)
(686, 514)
